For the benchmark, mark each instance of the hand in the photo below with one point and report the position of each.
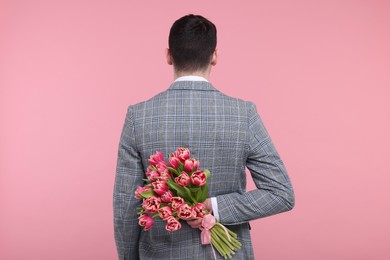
(197, 222)
(207, 203)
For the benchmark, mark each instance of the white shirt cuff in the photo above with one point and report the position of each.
(214, 205)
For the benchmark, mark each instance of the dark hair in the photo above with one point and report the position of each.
(192, 41)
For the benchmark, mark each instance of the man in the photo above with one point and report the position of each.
(225, 134)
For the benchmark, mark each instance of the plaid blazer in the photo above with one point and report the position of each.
(226, 135)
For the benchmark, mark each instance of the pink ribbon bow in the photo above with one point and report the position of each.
(208, 222)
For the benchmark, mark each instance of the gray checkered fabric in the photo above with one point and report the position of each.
(226, 135)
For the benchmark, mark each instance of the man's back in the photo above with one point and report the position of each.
(222, 133)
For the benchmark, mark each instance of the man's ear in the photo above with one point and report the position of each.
(214, 59)
(168, 56)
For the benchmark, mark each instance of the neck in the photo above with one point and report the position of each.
(205, 74)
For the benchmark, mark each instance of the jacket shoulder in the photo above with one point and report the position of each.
(141, 106)
(249, 105)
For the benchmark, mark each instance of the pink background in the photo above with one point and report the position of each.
(319, 72)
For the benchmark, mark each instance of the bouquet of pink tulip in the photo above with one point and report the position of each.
(177, 191)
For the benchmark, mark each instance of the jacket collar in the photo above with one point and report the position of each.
(192, 85)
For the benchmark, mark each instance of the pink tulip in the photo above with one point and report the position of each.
(145, 221)
(152, 175)
(161, 166)
(186, 212)
(188, 165)
(165, 175)
(182, 153)
(156, 158)
(174, 162)
(140, 190)
(198, 178)
(191, 165)
(151, 204)
(196, 165)
(165, 212)
(183, 179)
(166, 197)
(176, 202)
(162, 179)
(200, 210)
(159, 187)
(172, 224)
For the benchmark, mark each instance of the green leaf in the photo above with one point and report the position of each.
(179, 189)
(193, 189)
(183, 195)
(181, 167)
(204, 193)
(147, 194)
(198, 195)
(173, 170)
(208, 174)
(173, 184)
(189, 194)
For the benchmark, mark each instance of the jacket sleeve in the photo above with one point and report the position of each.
(129, 175)
(274, 193)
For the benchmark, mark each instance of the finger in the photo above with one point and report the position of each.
(192, 223)
(195, 223)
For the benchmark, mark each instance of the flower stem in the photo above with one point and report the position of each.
(217, 244)
(217, 236)
(233, 241)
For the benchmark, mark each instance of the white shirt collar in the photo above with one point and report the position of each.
(191, 78)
